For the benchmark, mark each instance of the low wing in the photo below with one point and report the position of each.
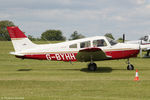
(89, 54)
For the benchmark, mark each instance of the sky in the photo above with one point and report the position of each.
(88, 17)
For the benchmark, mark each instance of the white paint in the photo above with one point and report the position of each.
(48, 57)
(58, 57)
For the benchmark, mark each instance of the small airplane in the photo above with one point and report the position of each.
(90, 49)
(145, 44)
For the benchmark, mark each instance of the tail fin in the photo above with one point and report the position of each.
(19, 40)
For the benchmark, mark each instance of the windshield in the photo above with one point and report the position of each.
(111, 41)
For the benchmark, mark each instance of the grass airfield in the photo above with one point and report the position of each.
(49, 80)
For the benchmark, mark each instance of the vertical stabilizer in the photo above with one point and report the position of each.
(19, 39)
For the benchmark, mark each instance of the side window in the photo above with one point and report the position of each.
(99, 43)
(85, 44)
(73, 46)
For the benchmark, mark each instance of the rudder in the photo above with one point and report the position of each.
(19, 39)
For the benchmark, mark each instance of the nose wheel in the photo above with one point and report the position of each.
(130, 66)
(92, 67)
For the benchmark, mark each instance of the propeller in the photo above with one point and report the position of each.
(140, 48)
(123, 38)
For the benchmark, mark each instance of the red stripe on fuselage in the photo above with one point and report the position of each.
(52, 57)
(123, 54)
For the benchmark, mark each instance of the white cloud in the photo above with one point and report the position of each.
(140, 2)
(4, 16)
(89, 17)
(118, 18)
(148, 6)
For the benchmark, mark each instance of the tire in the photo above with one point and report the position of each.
(92, 67)
(130, 67)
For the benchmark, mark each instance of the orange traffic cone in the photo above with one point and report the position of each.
(136, 76)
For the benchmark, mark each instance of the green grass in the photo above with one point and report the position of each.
(46, 80)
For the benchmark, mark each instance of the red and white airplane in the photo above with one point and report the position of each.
(91, 49)
(144, 42)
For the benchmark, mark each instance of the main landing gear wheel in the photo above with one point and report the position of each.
(130, 67)
(92, 67)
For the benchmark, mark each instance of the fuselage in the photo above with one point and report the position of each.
(67, 51)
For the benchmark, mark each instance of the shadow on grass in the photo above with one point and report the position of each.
(24, 69)
(120, 69)
(99, 70)
(69, 69)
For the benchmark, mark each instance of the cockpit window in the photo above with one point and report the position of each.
(99, 43)
(85, 44)
(111, 41)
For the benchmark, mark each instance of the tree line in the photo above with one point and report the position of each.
(48, 35)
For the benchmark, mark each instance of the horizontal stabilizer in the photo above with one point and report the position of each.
(16, 54)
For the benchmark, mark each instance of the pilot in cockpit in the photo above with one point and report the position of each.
(100, 43)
